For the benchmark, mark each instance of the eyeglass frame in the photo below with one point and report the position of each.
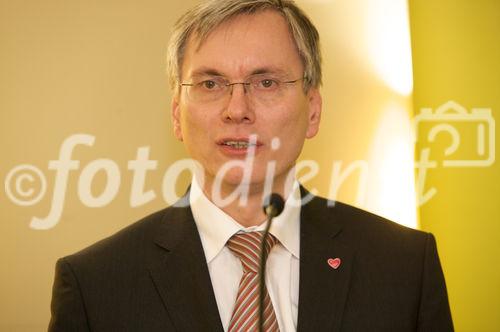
(244, 84)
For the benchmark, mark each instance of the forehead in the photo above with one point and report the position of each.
(243, 45)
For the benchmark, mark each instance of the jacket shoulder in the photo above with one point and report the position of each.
(366, 227)
(129, 245)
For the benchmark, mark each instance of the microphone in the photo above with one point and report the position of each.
(273, 206)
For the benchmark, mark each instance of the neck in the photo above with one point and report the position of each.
(246, 208)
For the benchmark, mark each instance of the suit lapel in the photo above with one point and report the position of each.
(181, 274)
(322, 288)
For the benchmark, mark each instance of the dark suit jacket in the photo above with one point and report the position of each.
(153, 276)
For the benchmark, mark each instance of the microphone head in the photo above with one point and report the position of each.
(274, 205)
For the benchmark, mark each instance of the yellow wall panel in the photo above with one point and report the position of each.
(456, 52)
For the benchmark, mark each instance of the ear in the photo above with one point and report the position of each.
(176, 117)
(315, 104)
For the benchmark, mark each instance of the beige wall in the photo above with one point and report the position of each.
(367, 105)
(97, 68)
(94, 67)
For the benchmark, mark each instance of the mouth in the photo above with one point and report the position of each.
(239, 144)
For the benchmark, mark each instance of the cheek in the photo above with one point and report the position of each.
(198, 133)
(194, 124)
(291, 125)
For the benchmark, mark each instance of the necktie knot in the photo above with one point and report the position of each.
(246, 246)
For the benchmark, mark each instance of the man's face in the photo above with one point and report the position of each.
(237, 50)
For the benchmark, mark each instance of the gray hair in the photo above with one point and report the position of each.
(207, 16)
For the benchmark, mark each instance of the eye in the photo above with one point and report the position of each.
(268, 83)
(209, 84)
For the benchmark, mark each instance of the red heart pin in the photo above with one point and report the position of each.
(334, 262)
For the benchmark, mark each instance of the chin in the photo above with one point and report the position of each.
(237, 177)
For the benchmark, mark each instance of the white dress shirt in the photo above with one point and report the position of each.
(282, 270)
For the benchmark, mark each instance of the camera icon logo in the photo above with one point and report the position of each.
(470, 136)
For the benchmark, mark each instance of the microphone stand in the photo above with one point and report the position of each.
(262, 273)
(273, 209)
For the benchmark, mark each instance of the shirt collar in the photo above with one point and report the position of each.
(216, 227)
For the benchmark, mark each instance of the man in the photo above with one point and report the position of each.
(246, 77)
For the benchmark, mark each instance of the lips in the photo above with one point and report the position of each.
(237, 146)
(239, 142)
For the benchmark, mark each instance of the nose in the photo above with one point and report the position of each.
(238, 109)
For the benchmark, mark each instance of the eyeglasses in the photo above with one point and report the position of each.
(262, 88)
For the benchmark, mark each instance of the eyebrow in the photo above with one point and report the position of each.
(269, 70)
(207, 71)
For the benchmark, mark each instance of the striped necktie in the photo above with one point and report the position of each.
(245, 317)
